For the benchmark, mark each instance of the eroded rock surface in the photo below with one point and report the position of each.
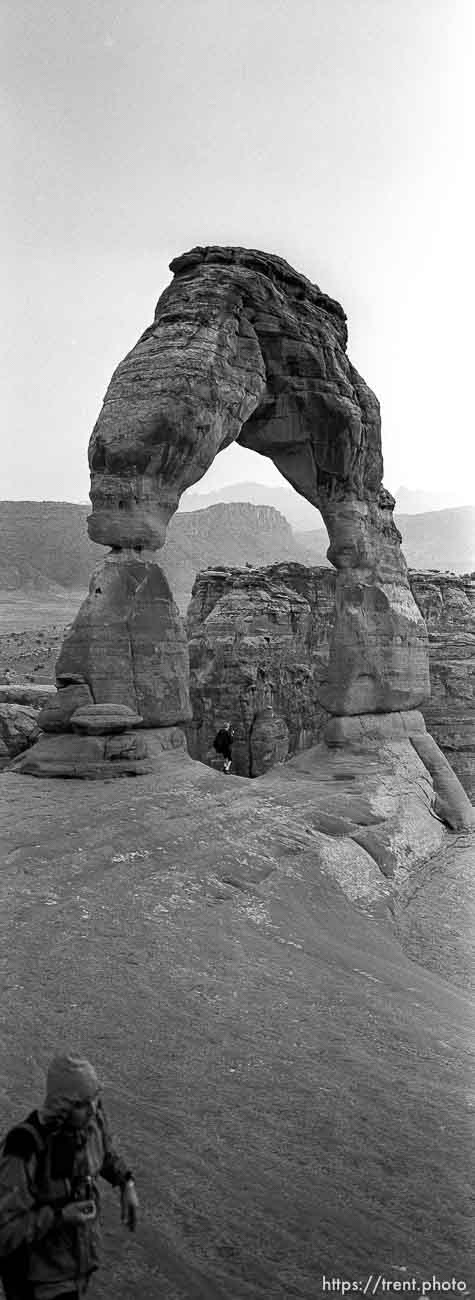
(244, 348)
(98, 757)
(36, 697)
(57, 713)
(123, 663)
(129, 644)
(447, 603)
(261, 638)
(18, 729)
(259, 645)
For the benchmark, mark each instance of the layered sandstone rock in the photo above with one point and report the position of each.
(100, 757)
(259, 644)
(261, 638)
(104, 720)
(447, 603)
(123, 663)
(129, 644)
(18, 730)
(20, 707)
(36, 697)
(244, 348)
(57, 713)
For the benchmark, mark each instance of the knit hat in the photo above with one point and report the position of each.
(69, 1079)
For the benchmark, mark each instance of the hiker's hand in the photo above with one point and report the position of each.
(129, 1204)
(79, 1212)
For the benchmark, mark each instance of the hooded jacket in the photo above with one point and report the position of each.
(223, 741)
(43, 1166)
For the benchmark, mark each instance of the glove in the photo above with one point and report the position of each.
(129, 1204)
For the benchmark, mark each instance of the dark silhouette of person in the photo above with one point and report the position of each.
(49, 1196)
(223, 744)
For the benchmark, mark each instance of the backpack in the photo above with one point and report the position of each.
(23, 1140)
(223, 740)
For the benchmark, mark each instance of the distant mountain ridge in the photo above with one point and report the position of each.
(414, 501)
(300, 514)
(44, 545)
(439, 539)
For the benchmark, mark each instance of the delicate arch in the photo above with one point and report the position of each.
(243, 348)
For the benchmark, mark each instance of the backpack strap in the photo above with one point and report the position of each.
(25, 1139)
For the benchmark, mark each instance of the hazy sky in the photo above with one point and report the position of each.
(333, 132)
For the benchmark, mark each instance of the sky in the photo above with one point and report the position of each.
(332, 132)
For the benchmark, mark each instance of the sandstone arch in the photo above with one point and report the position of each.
(243, 348)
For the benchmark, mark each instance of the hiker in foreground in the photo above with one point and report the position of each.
(49, 1197)
(223, 744)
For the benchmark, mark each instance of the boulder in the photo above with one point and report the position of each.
(18, 729)
(102, 719)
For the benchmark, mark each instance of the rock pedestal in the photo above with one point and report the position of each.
(129, 643)
(124, 664)
(379, 654)
(99, 757)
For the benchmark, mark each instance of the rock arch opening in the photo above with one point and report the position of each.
(238, 474)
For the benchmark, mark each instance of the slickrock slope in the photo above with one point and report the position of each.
(259, 647)
(294, 1094)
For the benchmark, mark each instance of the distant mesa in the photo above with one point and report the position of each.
(263, 530)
